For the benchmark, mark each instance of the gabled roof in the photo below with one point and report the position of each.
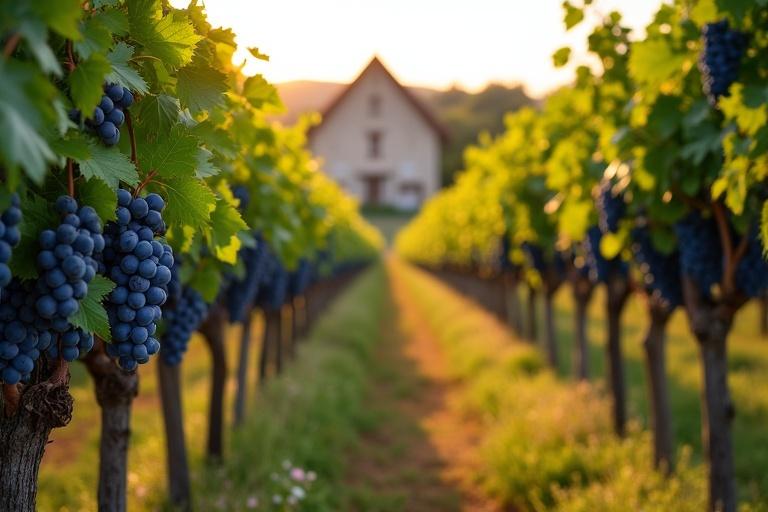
(376, 63)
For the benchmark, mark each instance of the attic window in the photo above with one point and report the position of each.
(374, 144)
(374, 105)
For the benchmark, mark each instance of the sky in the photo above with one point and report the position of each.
(434, 43)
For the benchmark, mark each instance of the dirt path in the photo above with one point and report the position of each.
(420, 452)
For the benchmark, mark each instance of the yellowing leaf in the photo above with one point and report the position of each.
(611, 245)
(653, 62)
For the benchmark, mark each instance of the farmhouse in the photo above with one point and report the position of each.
(380, 142)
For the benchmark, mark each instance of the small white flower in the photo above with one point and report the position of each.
(298, 492)
(252, 502)
(277, 499)
(311, 476)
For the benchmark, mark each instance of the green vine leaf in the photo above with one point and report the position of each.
(109, 165)
(86, 82)
(122, 73)
(92, 317)
(190, 202)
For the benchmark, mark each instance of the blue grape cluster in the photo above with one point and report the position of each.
(140, 266)
(600, 268)
(23, 334)
(611, 208)
(300, 278)
(720, 60)
(175, 288)
(752, 271)
(35, 314)
(241, 194)
(67, 261)
(9, 238)
(273, 290)
(241, 293)
(180, 323)
(661, 272)
(701, 254)
(535, 256)
(505, 264)
(109, 114)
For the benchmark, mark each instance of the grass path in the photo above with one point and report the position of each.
(422, 452)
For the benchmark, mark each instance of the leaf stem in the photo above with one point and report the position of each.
(70, 178)
(132, 136)
(11, 44)
(729, 263)
(145, 182)
(70, 57)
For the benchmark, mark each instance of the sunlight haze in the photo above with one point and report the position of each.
(426, 42)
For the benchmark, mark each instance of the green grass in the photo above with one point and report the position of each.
(748, 378)
(389, 222)
(548, 444)
(308, 416)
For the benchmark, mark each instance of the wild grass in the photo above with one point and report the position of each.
(547, 442)
(306, 417)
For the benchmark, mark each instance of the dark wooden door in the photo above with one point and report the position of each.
(374, 185)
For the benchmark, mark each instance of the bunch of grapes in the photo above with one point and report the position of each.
(23, 334)
(610, 208)
(720, 60)
(241, 194)
(242, 293)
(300, 278)
(140, 266)
(600, 268)
(9, 238)
(535, 256)
(505, 263)
(752, 271)
(175, 288)
(701, 254)
(661, 272)
(274, 286)
(67, 260)
(180, 323)
(109, 115)
(66, 263)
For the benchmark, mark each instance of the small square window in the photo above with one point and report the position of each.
(374, 144)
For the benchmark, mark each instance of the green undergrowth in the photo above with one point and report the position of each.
(547, 443)
(306, 416)
(289, 453)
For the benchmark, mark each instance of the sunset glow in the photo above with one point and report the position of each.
(425, 42)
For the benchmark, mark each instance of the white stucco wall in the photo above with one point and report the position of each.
(410, 148)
